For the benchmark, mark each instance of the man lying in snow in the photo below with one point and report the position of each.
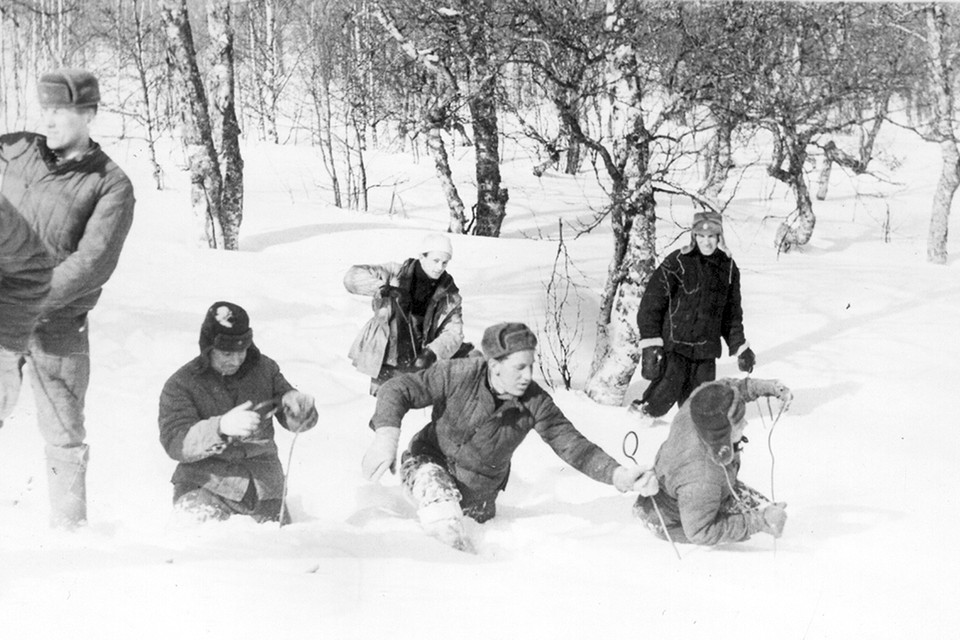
(483, 408)
(700, 498)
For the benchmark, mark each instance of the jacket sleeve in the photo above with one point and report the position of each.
(91, 265)
(732, 326)
(571, 445)
(400, 394)
(703, 521)
(366, 279)
(752, 388)
(451, 335)
(653, 306)
(25, 272)
(184, 434)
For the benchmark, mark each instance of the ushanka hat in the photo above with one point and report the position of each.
(708, 223)
(226, 327)
(68, 88)
(714, 408)
(500, 340)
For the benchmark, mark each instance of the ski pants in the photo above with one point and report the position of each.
(426, 480)
(681, 375)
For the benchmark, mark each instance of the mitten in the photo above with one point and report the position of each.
(636, 478)
(425, 360)
(774, 517)
(651, 362)
(300, 411)
(784, 395)
(381, 454)
(240, 422)
(746, 360)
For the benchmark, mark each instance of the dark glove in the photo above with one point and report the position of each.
(651, 363)
(746, 360)
(425, 360)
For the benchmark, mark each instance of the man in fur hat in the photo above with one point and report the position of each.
(80, 204)
(417, 313)
(216, 421)
(691, 301)
(483, 408)
(700, 498)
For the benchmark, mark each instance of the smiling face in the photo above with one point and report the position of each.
(67, 129)
(513, 373)
(227, 363)
(434, 263)
(707, 243)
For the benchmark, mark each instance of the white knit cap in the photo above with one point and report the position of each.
(436, 242)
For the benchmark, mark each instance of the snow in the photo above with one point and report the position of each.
(863, 331)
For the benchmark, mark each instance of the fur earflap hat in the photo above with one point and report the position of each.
(436, 242)
(68, 88)
(226, 327)
(500, 340)
(714, 408)
(709, 223)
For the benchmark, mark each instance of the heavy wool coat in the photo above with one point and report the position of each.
(694, 489)
(25, 271)
(191, 403)
(82, 210)
(691, 302)
(475, 434)
(377, 342)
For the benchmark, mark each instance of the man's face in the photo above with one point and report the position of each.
(227, 363)
(67, 128)
(707, 243)
(512, 374)
(434, 263)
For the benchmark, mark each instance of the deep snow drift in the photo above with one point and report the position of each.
(863, 331)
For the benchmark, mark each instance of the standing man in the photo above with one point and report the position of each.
(80, 204)
(690, 303)
(483, 408)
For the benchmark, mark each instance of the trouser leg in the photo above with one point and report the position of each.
(59, 388)
(434, 493)
(663, 392)
(11, 378)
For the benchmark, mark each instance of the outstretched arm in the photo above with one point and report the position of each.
(752, 388)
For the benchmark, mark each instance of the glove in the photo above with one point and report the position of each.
(389, 291)
(651, 363)
(300, 410)
(636, 478)
(241, 421)
(774, 517)
(425, 360)
(784, 395)
(381, 454)
(746, 360)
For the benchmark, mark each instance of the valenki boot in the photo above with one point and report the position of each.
(66, 481)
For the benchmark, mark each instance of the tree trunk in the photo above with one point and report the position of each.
(320, 90)
(148, 116)
(720, 160)
(791, 147)
(941, 85)
(491, 197)
(197, 138)
(438, 150)
(222, 90)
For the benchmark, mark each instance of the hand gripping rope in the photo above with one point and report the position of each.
(630, 454)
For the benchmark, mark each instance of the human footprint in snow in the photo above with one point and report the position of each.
(482, 409)
(700, 498)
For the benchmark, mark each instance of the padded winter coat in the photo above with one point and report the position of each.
(377, 342)
(191, 403)
(694, 488)
(476, 437)
(691, 302)
(25, 271)
(81, 209)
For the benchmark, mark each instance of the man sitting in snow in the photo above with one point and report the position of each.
(700, 498)
(216, 420)
(483, 408)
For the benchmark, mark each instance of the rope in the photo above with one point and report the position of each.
(663, 523)
(286, 479)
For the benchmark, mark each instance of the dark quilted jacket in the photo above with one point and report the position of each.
(691, 302)
(25, 270)
(192, 401)
(81, 210)
(476, 437)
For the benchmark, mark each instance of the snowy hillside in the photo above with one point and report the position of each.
(863, 331)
